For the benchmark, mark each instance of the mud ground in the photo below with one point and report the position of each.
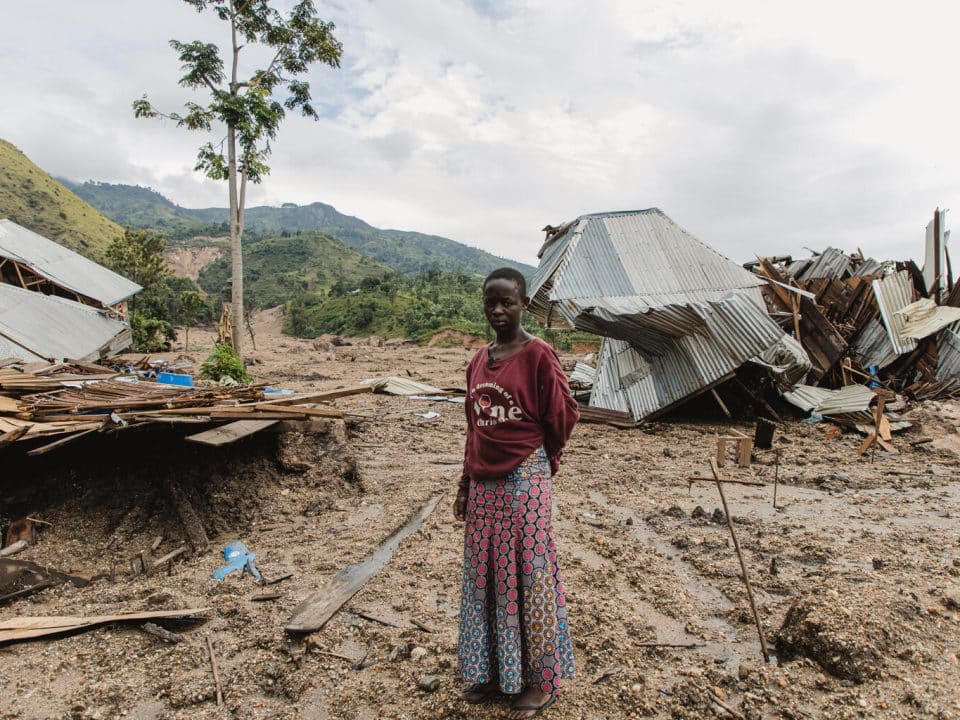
(860, 556)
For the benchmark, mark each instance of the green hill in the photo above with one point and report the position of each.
(31, 198)
(278, 269)
(140, 207)
(401, 250)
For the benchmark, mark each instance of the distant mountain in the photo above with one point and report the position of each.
(401, 250)
(30, 197)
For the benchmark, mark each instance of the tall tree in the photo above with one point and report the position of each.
(246, 105)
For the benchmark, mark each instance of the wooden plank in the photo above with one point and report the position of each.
(25, 627)
(318, 396)
(314, 612)
(8, 405)
(43, 449)
(226, 434)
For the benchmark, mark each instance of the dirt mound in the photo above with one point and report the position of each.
(450, 338)
(846, 637)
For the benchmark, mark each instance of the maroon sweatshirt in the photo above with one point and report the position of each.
(514, 406)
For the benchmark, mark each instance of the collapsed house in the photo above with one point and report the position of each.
(55, 303)
(677, 318)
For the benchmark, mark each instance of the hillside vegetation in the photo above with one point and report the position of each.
(407, 252)
(30, 197)
(276, 270)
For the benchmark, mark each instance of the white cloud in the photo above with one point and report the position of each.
(758, 126)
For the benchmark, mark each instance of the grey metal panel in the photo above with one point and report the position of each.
(55, 328)
(893, 293)
(948, 353)
(661, 257)
(872, 346)
(831, 264)
(849, 399)
(9, 349)
(594, 267)
(868, 267)
(707, 342)
(63, 266)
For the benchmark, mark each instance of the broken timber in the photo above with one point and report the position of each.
(314, 612)
(819, 337)
(231, 432)
(24, 628)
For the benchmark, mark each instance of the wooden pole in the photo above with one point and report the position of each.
(936, 256)
(776, 476)
(743, 565)
(216, 672)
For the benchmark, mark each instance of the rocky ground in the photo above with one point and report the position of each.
(855, 572)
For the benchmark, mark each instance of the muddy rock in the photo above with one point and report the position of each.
(844, 636)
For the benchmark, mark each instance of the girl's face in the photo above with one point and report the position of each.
(503, 305)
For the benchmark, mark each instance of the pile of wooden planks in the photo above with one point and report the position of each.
(66, 401)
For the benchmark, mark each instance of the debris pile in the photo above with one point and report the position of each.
(66, 401)
(679, 320)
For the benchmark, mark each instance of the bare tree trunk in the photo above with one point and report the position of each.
(236, 205)
(236, 245)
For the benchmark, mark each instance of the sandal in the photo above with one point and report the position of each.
(535, 709)
(481, 693)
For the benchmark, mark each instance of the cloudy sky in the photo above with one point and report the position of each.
(759, 126)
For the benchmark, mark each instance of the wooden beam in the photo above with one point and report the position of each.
(314, 612)
(226, 434)
(24, 627)
(317, 396)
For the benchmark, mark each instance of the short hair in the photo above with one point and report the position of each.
(508, 273)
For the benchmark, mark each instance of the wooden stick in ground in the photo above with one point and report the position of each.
(216, 673)
(735, 713)
(776, 476)
(669, 645)
(743, 565)
(170, 556)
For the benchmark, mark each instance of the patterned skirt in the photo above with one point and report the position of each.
(513, 615)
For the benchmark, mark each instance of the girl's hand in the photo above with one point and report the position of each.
(460, 505)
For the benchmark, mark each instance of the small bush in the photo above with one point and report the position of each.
(224, 361)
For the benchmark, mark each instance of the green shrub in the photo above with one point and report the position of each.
(224, 361)
(150, 334)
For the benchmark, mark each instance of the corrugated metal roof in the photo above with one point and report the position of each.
(924, 318)
(678, 315)
(831, 264)
(640, 254)
(948, 353)
(583, 375)
(893, 293)
(56, 328)
(9, 349)
(401, 386)
(655, 360)
(62, 266)
(868, 267)
(849, 399)
(872, 346)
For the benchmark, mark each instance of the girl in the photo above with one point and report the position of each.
(514, 636)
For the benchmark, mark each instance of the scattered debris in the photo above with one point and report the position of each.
(239, 559)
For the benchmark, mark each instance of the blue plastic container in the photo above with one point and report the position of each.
(175, 379)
